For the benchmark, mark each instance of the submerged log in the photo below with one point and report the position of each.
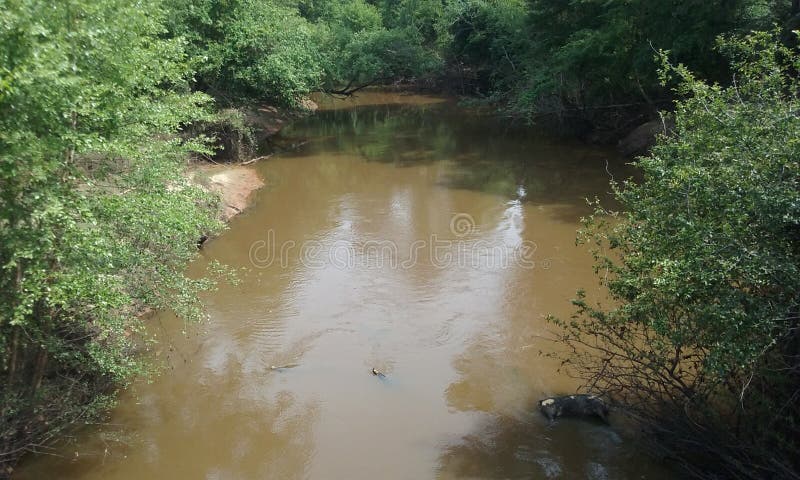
(582, 405)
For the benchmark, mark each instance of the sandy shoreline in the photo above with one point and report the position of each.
(234, 183)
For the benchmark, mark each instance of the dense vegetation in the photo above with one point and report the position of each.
(704, 347)
(97, 218)
(279, 51)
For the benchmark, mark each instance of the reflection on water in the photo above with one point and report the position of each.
(504, 447)
(456, 326)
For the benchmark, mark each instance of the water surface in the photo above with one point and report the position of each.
(399, 233)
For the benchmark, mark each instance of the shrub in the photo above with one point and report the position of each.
(704, 272)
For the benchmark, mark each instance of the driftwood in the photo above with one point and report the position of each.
(349, 89)
(254, 160)
(284, 367)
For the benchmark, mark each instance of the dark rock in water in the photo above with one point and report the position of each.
(582, 405)
(644, 137)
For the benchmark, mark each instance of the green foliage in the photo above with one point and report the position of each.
(490, 38)
(250, 48)
(363, 50)
(585, 53)
(267, 52)
(423, 19)
(97, 220)
(382, 55)
(706, 273)
(279, 51)
(535, 55)
(350, 17)
(234, 138)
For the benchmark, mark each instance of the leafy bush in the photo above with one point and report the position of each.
(362, 51)
(489, 38)
(423, 19)
(596, 53)
(97, 220)
(702, 346)
(279, 51)
(251, 49)
(380, 56)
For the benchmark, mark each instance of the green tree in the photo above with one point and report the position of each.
(422, 18)
(362, 50)
(703, 269)
(487, 40)
(250, 49)
(97, 219)
(380, 57)
(585, 54)
(281, 50)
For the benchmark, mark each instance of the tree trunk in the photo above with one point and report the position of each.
(12, 364)
(38, 373)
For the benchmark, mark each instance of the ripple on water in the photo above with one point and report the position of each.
(596, 471)
(263, 329)
(550, 467)
(263, 335)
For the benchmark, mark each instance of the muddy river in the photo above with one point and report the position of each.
(400, 233)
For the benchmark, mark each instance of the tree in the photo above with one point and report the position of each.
(362, 50)
(487, 39)
(97, 220)
(251, 49)
(703, 269)
(586, 55)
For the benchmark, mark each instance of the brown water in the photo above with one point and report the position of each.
(414, 238)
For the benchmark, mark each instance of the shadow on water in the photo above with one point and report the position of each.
(527, 447)
(487, 154)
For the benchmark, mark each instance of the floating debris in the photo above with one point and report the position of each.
(283, 367)
(579, 405)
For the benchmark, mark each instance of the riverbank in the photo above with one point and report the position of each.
(234, 184)
(153, 229)
(241, 134)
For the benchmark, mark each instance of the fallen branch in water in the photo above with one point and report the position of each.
(254, 160)
(281, 367)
